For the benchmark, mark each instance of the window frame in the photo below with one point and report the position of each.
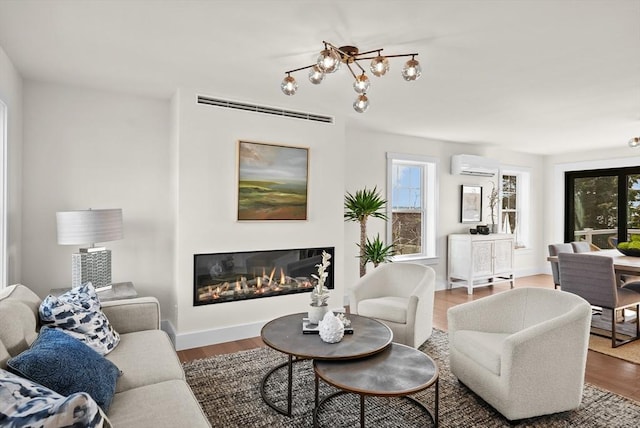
(523, 204)
(621, 173)
(430, 186)
(4, 132)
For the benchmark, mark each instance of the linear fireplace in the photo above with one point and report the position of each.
(242, 275)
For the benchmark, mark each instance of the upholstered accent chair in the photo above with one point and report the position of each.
(554, 250)
(523, 351)
(594, 279)
(400, 295)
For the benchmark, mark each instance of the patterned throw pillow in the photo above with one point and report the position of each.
(27, 404)
(79, 314)
(66, 365)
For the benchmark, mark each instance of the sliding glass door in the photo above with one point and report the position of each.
(602, 206)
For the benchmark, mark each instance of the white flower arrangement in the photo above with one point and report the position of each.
(320, 293)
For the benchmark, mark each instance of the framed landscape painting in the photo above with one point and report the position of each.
(272, 181)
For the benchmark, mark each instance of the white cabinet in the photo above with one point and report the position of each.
(479, 260)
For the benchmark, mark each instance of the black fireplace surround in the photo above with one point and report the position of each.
(243, 275)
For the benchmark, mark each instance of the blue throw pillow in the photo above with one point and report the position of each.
(66, 365)
(78, 313)
(27, 404)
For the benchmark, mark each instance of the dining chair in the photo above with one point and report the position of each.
(594, 279)
(554, 250)
(583, 247)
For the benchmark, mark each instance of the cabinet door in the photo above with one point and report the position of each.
(503, 249)
(482, 258)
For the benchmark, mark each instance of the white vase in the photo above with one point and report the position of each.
(316, 313)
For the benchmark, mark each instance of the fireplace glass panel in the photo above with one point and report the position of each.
(242, 275)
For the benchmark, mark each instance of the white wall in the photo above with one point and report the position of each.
(11, 95)
(368, 151)
(207, 211)
(91, 149)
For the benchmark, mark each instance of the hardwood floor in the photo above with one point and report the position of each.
(607, 372)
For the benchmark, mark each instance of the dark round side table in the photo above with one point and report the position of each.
(398, 371)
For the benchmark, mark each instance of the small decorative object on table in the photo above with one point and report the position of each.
(630, 248)
(320, 293)
(331, 328)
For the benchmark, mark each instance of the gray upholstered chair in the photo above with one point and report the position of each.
(554, 250)
(523, 351)
(400, 295)
(583, 247)
(593, 278)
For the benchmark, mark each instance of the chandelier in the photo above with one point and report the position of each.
(329, 62)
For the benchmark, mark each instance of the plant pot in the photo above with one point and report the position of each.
(316, 313)
(494, 228)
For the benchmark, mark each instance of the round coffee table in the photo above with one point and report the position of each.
(397, 371)
(285, 334)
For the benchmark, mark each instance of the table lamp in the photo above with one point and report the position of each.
(84, 227)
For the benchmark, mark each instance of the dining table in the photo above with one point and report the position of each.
(623, 265)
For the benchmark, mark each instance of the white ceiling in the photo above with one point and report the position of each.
(537, 76)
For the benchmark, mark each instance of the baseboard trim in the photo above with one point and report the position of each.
(218, 335)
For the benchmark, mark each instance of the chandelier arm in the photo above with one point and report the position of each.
(392, 56)
(351, 70)
(355, 61)
(298, 69)
(371, 51)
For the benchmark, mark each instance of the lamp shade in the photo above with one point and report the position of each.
(89, 226)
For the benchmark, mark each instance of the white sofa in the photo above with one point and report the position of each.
(523, 351)
(151, 392)
(401, 296)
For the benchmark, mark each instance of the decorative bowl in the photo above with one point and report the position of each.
(634, 252)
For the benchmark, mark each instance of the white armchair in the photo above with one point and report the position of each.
(523, 351)
(401, 296)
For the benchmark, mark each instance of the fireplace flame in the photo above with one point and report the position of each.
(271, 276)
(282, 277)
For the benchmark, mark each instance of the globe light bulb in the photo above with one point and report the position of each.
(411, 70)
(362, 83)
(289, 85)
(379, 66)
(328, 61)
(316, 75)
(361, 104)
(634, 142)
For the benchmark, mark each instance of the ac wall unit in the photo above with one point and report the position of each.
(473, 165)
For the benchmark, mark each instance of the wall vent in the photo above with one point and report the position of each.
(216, 102)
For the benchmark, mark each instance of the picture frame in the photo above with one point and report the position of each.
(272, 181)
(470, 204)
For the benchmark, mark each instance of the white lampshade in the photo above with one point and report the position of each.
(89, 226)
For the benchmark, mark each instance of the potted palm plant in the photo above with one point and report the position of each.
(359, 207)
(377, 252)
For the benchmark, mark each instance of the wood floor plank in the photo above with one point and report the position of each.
(612, 374)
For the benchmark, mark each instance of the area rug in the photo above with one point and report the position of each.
(629, 352)
(228, 389)
(627, 329)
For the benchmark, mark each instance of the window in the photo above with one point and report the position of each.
(411, 205)
(604, 207)
(514, 204)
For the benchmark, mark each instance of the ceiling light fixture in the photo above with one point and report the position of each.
(329, 62)
(634, 142)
